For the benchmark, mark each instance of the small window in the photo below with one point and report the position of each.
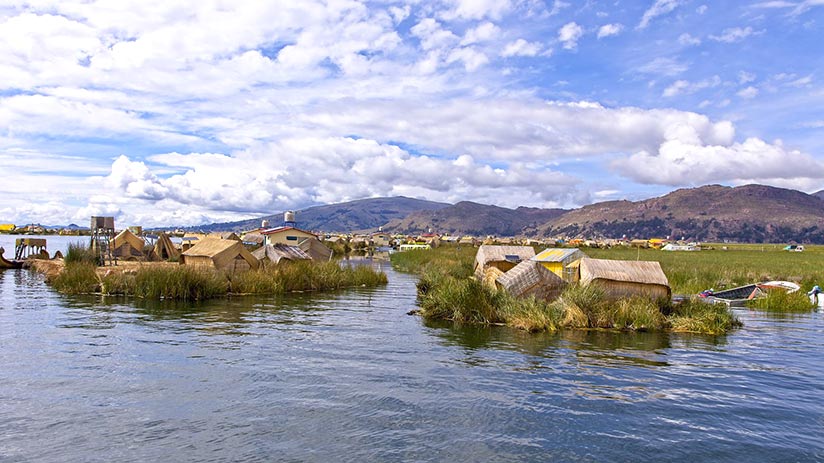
(291, 238)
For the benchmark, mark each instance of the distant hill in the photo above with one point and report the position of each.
(468, 218)
(750, 213)
(359, 215)
(819, 194)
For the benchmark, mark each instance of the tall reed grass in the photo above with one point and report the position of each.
(781, 301)
(80, 253)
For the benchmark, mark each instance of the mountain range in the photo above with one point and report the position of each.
(749, 213)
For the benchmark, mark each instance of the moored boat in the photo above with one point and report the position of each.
(738, 297)
(4, 263)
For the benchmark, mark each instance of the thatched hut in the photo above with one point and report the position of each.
(315, 249)
(224, 236)
(164, 249)
(530, 278)
(127, 245)
(253, 238)
(278, 253)
(219, 254)
(624, 278)
(559, 261)
(503, 258)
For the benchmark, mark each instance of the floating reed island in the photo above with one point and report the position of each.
(563, 288)
(79, 273)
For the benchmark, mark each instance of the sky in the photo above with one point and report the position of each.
(164, 112)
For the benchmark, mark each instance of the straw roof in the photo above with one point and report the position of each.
(315, 249)
(490, 253)
(280, 252)
(623, 270)
(224, 236)
(221, 252)
(530, 278)
(127, 237)
(165, 249)
(253, 238)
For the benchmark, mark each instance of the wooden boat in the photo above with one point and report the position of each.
(738, 297)
(4, 264)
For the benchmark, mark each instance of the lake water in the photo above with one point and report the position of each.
(349, 376)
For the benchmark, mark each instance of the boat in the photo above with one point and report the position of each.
(738, 297)
(4, 264)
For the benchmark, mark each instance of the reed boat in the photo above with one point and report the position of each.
(4, 263)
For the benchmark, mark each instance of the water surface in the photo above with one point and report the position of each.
(349, 376)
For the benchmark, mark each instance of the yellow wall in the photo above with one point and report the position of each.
(6, 227)
(283, 237)
(554, 267)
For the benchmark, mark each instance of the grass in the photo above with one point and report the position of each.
(191, 283)
(80, 253)
(447, 290)
(780, 301)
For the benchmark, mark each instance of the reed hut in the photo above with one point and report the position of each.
(229, 255)
(253, 239)
(531, 278)
(224, 236)
(164, 249)
(315, 249)
(624, 278)
(278, 253)
(504, 258)
(126, 245)
(559, 261)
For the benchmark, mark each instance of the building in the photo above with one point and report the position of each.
(126, 245)
(561, 262)
(280, 253)
(624, 278)
(531, 278)
(502, 258)
(285, 235)
(164, 249)
(228, 255)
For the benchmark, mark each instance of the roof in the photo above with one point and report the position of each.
(489, 253)
(272, 231)
(623, 270)
(530, 277)
(558, 255)
(210, 247)
(279, 252)
(127, 236)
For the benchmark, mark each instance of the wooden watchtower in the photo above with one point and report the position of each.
(102, 229)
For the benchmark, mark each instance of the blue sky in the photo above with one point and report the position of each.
(181, 113)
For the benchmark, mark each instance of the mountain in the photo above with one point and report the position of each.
(750, 213)
(468, 218)
(359, 215)
(818, 194)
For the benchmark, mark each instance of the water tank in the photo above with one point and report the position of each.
(264, 224)
(289, 217)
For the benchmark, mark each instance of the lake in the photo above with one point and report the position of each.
(349, 376)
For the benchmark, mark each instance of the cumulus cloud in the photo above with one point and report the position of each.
(687, 39)
(659, 8)
(521, 47)
(664, 66)
(679, 162)
(680, 87)
(569, 34)
(748, 93)
(733, 34)
(610, 29)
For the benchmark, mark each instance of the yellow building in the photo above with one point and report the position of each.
(285, 235)
(561, 261)
(6, 227)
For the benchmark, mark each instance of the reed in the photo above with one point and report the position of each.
(180, 283)
(781, 301)
(77, 277)
(696, 316)
(80, 253)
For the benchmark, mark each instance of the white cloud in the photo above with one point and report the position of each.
(610, 29)
(733, 34)
(477, 9)
(687, 39)
(702, 9)
(664, 67)
(521, 47)
(686, 87)
(569, 34)
(484, 32)
(659, 8)
(748, 93)
(557, 6)
(745, 77)
(682, 163)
